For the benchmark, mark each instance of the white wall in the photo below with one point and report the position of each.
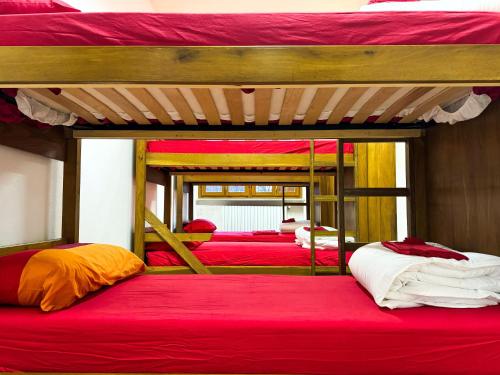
(30, 197)
(112, 5)
(106, 192)
(402, 221)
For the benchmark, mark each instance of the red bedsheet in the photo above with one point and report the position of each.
(145, 29)
(247, 147)
(247, 254)
(248, 324)
(250, 237)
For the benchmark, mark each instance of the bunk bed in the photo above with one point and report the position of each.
(243, 162)
(284, 325)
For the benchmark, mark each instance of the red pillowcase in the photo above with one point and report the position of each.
(34, 6)
(200, 226)
(418, 247)
(292, 220)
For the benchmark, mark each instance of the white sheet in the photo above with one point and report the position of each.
(291, 227)
(395, 280)
(303, 238)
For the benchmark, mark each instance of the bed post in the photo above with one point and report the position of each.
(179, 203)
(140, 197)
(415, 181)
(340, 206)
(191, 202)
(167, 201)
(71, 192)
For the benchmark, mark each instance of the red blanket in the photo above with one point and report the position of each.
(417, 247)
(236, 324)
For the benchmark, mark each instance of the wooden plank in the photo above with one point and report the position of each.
(247, 178)
(99, 106)
(235, 105)
(24, 136)
(290, 103)
(177, 245)
(6, 250)
(71, 192)
(312, 206)
(156, 176)
(345, 104)
(446, 95)
(167, 202)
(402, 103)
(262, 106)
(179, 204)
(140, 197)
(181, 105)
(235, 161)
(251, 134)
(207, 103)
(183, 237)
(373, 104)
(273, 65)
(52, 100)
(318, 104)
(151, 104)
(377, 192)
(247, 270)
(341, 206)
(124, 104)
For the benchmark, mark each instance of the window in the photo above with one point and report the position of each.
(249, 191)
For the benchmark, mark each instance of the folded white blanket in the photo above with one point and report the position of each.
(396, 280)
(291, 227)
(303, 238)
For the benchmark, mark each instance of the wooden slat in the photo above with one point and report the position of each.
(290, 103)
(152, 104)
(320, 100)
(402, 103)
(183, 237)
(124, 104)
(181, 105)
(48, 97)
(235, 104)
(273, 65)
(140, 197)
(6, 250)
(345, 104)
(177, 245)
(71, 192)
(99, 106)
(373, 104)
(262, 105)
(444, 96)
(206, 101)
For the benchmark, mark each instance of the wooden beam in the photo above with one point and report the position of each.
(167, 202)
(290, 103)
(156, 176)
(179, 204)
(248, 178)
(377, 192)
(248, 270)
(207, 103)
(140, 197)
(273, 65)
(262, 106)
(308, 132)
(49, 142)
(71, 192)
(235, 161)
(190, 202)
(177, 245)
(235, 105)
(6, 250)
(183, 237)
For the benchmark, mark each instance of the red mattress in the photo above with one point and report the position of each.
(248, 324)
(143, 29)
(247, 147)
(251, 237)
(247, 254)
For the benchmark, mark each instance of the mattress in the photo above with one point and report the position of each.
(246, 147)
(246, 254)
(251, 237)
(148, 29)
(247, 324)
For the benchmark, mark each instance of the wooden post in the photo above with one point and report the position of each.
(167, 201)
(179, 203)
(140, 197)
(191, 202)
(71, 192)
(312, 208)
(340, 203)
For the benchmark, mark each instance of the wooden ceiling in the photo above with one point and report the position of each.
(307, 105)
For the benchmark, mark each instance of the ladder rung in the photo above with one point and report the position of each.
(294, 203)
(326, 233)
(325, 198)
(324, 164)
(377, 192)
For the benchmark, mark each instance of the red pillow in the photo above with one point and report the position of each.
(34, 6)
(200, 226)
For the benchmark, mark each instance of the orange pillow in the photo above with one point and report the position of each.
(55, 278)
